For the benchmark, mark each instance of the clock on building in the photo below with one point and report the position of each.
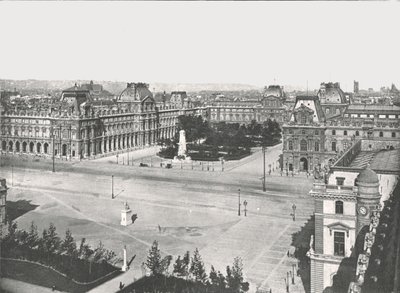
(362, 210)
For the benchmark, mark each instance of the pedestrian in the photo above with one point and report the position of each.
(288, 253)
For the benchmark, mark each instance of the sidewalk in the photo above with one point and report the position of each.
(113, 285)
(14, 286)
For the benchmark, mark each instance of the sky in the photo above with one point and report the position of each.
(257, 43)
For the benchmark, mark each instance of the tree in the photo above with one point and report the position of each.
(154, 263)
(99, 252)
(33, 237)
(197, 268)
(178, 267)
(84, 251)
(217, 280)
(51, 241)
(181, 266)
(165, 263)
(234, 277)
(68, 245)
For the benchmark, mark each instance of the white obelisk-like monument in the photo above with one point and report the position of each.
(125, 265)
(182, 148)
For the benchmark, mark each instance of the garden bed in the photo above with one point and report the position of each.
(38, 274)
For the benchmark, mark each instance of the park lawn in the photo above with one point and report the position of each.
(33, 273)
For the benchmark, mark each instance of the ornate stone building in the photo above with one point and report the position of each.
(338, 125)
(270, 106)
(77, 126)
(346, 197)
(304, 136)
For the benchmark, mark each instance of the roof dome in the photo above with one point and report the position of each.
(367, 176)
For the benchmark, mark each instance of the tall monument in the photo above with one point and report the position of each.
(182, 147)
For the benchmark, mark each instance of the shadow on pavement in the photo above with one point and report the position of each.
(301, 241)
(15, 209)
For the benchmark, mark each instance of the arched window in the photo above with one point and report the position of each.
(380, 133)
(357, 133)
(345, 132)
(303, 145)
(339, 207)
(333, 132)
(303, 119)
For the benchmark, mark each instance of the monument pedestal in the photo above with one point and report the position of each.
(126, 215)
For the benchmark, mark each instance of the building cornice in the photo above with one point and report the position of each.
(334, 196)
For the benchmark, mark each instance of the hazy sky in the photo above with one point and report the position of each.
(203, 42)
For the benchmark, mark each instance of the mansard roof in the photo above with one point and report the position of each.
(135, 92)
(303, 108)
(274, 90)
(331, 91)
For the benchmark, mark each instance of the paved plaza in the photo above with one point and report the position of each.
(194, 208)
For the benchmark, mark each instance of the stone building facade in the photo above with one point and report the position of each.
(335, 128)
(77, 126)
(270, 106)
(304, 136)
(345, 198)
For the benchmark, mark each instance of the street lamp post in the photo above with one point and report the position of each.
(239, 202)
(245, 208)
(293, 267)
(52, 136)
(112, 186)
(263, 151)
(294, 212)
(287, 170)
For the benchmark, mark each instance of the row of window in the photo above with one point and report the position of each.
(358, 133)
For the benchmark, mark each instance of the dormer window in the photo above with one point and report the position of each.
(303, 119)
